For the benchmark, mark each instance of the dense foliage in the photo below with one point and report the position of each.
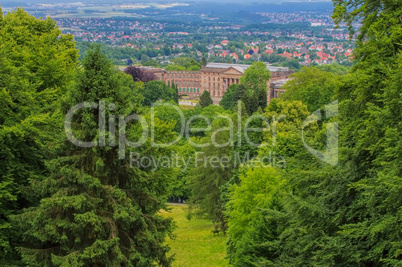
(205, 99)
(62, 204)
(140, 74)
(96, 209)
(154, 91)
(315, 214)
(252, 90)
(313, 87)
(312, 179)
(36, 67)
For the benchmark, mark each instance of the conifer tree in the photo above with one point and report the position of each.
(209, 175)
(95, 209)
(205, 99)
(37, 64)
(175, 92)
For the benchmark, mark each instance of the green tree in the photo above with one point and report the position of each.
(175, 68)
(144, 59)
(205, 99)
(348, 215)
(257, 208)
(37, 65)
(212, 174)
(158, 90)
(227, 101)
(334, 68)
(194, 68)
(313, 87)
(152, 63)
(203, 62)
(175, 92)
(95, 209)
(256, 79)
(255, 217)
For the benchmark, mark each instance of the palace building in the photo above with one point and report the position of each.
(217, 77)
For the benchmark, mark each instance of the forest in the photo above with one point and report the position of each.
(90, 155)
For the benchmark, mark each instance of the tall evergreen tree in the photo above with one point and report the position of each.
(209, 175)
(96, 210)
(205, 99)
(175, 92)
(37, 64)
(203, 62)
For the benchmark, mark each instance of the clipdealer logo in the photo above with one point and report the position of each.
(115, 128)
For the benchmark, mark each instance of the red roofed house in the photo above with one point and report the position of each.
(235, 55)
(295, 54)
(223, 54)
(269, 51)
(225, 42)
(322, 55)
(286, 54)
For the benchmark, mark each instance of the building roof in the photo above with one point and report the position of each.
(241, 66)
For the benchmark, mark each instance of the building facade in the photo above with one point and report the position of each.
(217, 78)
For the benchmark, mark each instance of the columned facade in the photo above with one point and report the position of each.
(217, 78)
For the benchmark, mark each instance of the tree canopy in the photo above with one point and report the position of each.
(97, 209)
(140, 74)
(158, 90)
(205, 99)
(37, 66)
(314, 87)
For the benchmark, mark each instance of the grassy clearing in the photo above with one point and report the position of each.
(186, 107)
(194, 244)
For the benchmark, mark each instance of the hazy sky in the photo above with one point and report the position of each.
(134, 1)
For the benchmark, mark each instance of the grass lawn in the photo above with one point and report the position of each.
(187, 107)
(194, 244)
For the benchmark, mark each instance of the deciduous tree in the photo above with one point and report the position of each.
(140, 74)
